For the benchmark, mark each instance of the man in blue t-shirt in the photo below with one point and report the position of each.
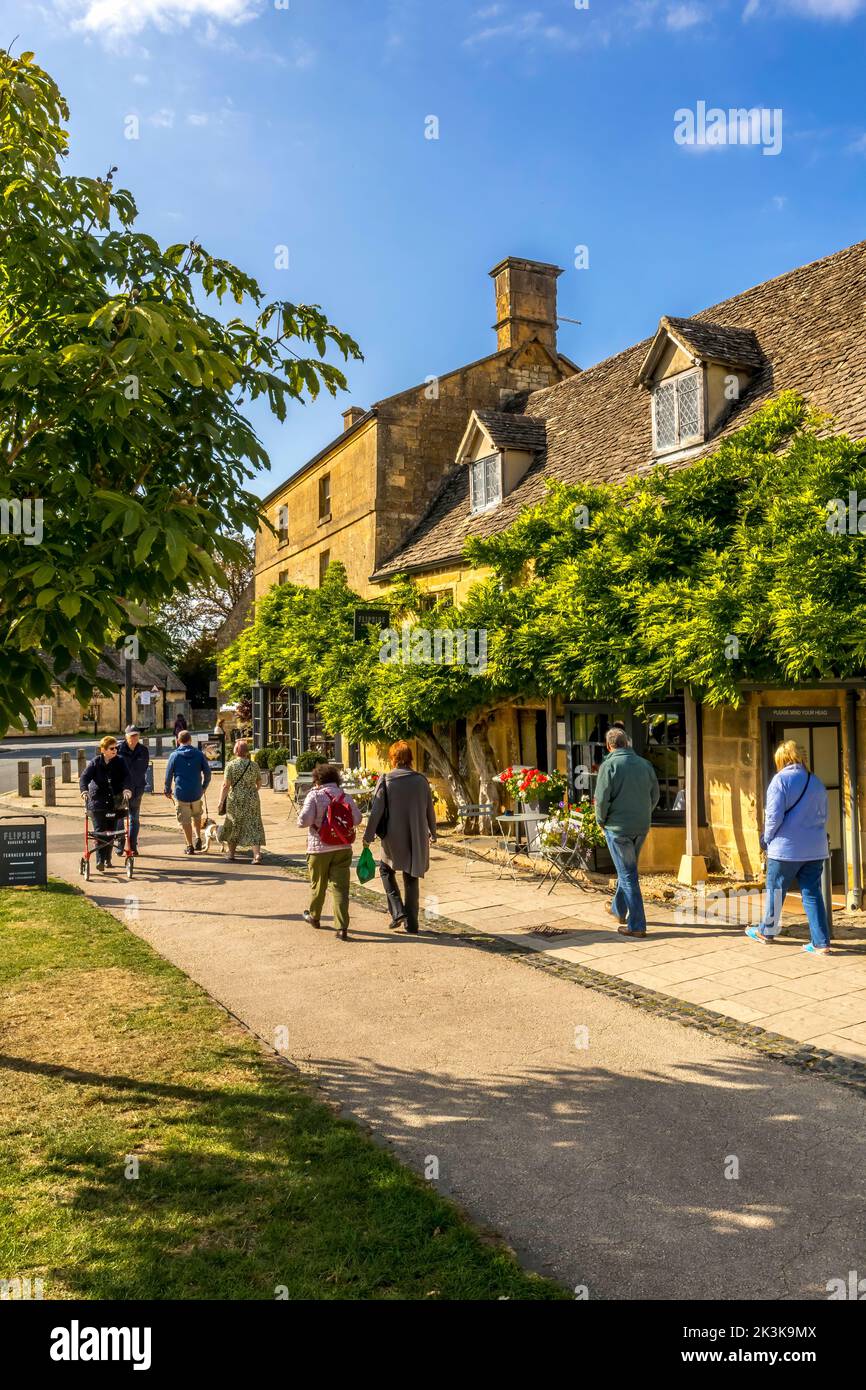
(188, 772)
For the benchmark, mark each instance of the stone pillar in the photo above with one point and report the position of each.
(159, 745)
(66, 767)
(693, 866)
(47, 762)
(24, 779)
(49, 792)
(82, 761)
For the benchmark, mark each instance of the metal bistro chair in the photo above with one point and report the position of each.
(468, 811)
(563, 861)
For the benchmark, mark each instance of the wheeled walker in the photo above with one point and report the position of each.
(107, 839)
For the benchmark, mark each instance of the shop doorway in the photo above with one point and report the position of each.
(821, 738)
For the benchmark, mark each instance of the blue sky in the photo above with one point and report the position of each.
(304, 126)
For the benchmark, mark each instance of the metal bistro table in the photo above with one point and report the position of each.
(511, 845)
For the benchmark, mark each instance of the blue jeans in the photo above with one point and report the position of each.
(627, 900)
(134, 823)
(808, 873)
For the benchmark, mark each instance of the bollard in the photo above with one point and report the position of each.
(24, 779)
(47, 762)
(827, 886)
(82, 761)
(159, 745)
(49, 792)
(66, 767)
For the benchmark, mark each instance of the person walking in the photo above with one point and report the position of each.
(795, 841)
(240, 796)
(187, 775)
(626, 793)
(104, 782)
(136, 756)
(329, 815)
(402, 814)
(179, 726)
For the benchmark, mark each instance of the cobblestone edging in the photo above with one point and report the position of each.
(845, 1071)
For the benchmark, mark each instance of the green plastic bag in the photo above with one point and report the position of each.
(366, 865)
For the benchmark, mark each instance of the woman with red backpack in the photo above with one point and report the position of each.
(329, 815)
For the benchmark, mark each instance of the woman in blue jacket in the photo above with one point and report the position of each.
(795, 839)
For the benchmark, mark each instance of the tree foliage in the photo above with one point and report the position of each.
(720, 572)
(121, 403)
(714, 574)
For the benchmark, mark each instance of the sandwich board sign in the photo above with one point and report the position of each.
(23, 853)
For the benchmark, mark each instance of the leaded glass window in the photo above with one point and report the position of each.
(666, 415)
(678, 411)
(485, 483)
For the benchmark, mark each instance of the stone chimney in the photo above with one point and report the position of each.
(525, 302)
(352, 416)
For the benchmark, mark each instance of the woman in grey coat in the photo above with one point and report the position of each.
(410, 828)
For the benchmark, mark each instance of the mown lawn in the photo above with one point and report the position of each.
(247, 1186)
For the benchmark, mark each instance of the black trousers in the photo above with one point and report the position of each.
(407, 906)
(105, 828)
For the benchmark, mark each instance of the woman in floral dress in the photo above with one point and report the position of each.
(243, 822)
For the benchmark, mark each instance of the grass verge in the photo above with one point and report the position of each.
(248, 1187)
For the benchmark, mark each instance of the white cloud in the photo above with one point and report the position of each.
(685, 16)
(140, 79)
(780, 202)
(164, 118)
(197, 118)
(525, 28)
(809, 9)
(119, 20)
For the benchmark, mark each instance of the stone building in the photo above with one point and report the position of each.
(672, 398)
(158, 694)
(360, 496)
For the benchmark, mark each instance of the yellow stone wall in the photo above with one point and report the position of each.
(350, 535)
(733, 778)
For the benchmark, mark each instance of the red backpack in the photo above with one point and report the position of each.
(338, 827)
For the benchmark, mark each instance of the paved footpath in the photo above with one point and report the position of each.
(599, 1139)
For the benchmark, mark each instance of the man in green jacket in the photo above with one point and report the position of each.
(626, 793)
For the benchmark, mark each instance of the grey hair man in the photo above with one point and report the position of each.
(626, 793)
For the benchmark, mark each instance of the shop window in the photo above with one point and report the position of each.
(44, 716)
(662, 742)
(285, 718)
(588, 748)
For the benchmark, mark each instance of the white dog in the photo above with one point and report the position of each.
(210, 835)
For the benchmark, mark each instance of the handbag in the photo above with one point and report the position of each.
(224, 794)
(382, 827)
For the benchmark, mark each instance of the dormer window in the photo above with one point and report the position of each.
(678, 411)
(485, 483)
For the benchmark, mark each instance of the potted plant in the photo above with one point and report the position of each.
(538, 790)
(304, 763)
